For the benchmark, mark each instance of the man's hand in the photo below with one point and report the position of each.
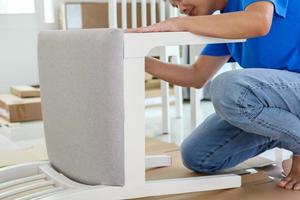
(169, 25)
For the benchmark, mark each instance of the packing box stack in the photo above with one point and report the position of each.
(23, 104)
(25, 91)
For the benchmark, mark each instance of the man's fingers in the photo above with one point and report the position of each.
(131, 30)
(139, 30)
(164, 26)
(148, 29)
(152, 28)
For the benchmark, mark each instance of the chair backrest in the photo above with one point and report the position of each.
(81, 78)
(115, 13)
(159, 11)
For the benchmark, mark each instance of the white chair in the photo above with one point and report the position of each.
(92, 85)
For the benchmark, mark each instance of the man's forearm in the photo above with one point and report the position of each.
(254, 21)
(181, 75)
(238, 25)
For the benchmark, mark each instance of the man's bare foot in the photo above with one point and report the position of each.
(291, 168)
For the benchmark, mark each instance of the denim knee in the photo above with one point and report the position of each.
(223, 90)
(232, 96)
(194, 161)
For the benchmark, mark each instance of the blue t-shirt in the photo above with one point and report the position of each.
(280, 49)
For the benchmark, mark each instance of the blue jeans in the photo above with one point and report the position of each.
(256, 110)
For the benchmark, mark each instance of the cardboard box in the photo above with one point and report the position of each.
(94, 15)
(16, 109)
(25, 91)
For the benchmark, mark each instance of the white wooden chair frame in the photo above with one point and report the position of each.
(136, 47)
(165, 52)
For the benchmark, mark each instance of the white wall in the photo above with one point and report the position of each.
(18, 46)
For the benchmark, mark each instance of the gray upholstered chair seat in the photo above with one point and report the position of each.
(81, 77)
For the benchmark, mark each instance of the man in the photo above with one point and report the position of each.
(256, 109)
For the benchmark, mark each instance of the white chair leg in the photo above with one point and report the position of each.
(178, 93)
(158, 161)
(196, 95)
(178, 101)
(165, 99)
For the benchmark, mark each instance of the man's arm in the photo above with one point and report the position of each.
(195, 75)
(254, 21)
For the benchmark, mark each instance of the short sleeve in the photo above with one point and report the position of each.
(279, 5)
(216, 50)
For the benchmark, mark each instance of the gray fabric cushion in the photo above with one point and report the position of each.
(81, 77)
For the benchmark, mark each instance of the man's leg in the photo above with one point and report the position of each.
(264, 102)
(217, 145)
